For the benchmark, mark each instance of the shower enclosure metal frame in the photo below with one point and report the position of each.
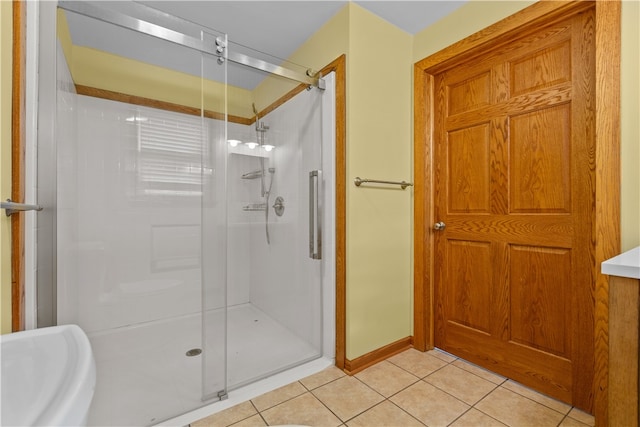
(220, 49)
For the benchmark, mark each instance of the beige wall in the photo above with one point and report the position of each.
(462, 22)
(379, 146)
(5, 164)
(630, 125)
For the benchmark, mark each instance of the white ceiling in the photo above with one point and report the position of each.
(276, 28)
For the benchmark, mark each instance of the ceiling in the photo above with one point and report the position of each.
(269, 30)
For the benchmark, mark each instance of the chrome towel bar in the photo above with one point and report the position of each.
(358, 181)
(13, 207)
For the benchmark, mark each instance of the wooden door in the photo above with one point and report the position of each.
(514, 186)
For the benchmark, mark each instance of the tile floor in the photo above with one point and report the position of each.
(409, 389)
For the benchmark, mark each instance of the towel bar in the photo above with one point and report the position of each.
(358, 181)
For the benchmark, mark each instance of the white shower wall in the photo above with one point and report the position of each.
(138, 254)
(286, 282)
(67, 196)
(129, 250)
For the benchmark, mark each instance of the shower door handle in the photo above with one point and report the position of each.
(315, 214)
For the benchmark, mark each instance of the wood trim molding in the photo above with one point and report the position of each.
(17, 164)
(607, 165)
(423, 210)
(607, 186)
(339, 67)
(154, 103)
(358, 364)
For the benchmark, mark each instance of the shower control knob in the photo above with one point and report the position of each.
(439, 226)
(278, 206)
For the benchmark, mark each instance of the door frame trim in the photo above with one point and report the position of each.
(18, 145)
(606, 228)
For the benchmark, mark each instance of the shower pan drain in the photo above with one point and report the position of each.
(194, 352)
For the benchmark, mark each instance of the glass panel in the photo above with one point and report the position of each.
(274, 288)
(141, 218)
(214, 227)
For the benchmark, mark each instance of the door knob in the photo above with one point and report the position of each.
(439, 226)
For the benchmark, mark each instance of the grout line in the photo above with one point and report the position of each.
(403, 410)
(563, 418)
(461, 415)
(342, 422)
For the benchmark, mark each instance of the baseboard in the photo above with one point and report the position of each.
(356, 365)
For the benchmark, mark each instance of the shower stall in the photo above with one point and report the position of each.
(193, 244)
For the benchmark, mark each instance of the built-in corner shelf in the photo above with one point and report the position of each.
(624, 325)
(244, 150)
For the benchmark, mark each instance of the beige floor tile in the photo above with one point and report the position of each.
(386, 378)
(429, 405)
(279, 395)
(323, 377)
(302, 410)
(442, 355)
(481, 372)
(475, 418)
(571, 422)
(582, 416)
(462, 384)
(386, 414)
(416, 362)
(347, 397)
(255, 421)
(516, 410)
(227, 417)
(537, 397)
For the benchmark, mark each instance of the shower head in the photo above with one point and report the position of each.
(260, 126)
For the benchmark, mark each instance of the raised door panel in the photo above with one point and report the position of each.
(540, 161)
(469, 275)
(540, 295)
(468, 161)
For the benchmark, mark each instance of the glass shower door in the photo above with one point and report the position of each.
(141, 210)
(274, 245)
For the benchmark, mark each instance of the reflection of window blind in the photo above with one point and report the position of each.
(173, 157)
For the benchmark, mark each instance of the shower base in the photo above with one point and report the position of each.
(144, 375)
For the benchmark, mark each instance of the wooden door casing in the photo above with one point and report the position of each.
(514, 184)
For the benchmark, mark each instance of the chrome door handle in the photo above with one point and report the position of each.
(439, 226)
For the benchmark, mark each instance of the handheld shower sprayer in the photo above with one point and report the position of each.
(261, 129)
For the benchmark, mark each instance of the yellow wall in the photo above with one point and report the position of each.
(630, 125)
(91, 67)
(5, 163)
(325, 45)
(379, 146)
(462, 22)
